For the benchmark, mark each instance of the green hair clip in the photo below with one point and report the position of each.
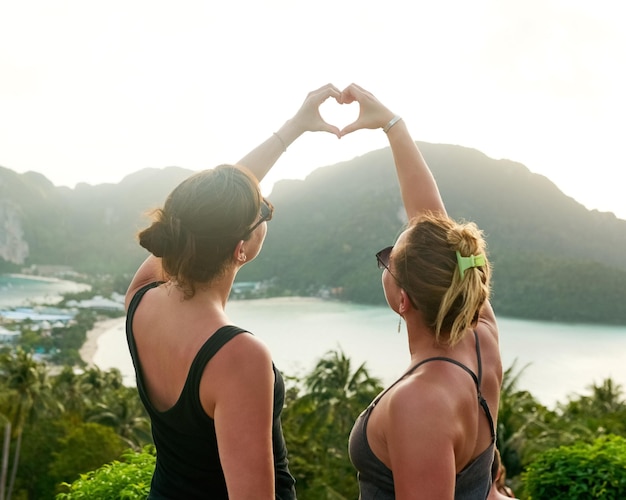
(467, 262)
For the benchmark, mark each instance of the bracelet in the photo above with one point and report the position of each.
(391, 123)
(281, 141)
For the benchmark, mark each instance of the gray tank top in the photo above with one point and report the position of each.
(376, 479)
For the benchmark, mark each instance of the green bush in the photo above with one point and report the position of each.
(581, 471)
(127, 480)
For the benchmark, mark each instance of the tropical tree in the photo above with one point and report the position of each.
(602, 412)
(86, 447)
(123, 411)
(5, 455)
(40, 440)
(317, 425)
(26, 386)
(71, 393)
(519, 413)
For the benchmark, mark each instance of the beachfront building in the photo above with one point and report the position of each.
(115, 303)
(36, 315)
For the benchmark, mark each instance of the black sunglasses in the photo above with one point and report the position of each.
(382, 258)
(267, 210)
(383, 261)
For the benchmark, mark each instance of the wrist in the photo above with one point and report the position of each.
(391, 123)
(290, 131)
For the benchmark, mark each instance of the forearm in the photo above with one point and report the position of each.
(307, 118)
(262, 158)
(417, 185)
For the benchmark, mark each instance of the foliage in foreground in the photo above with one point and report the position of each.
(128, 479)
(61, 441)
(580, 471)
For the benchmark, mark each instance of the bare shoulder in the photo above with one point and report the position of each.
(421, 402)
(244, 360)
(421, 429)
(247, 349)
(240, 375)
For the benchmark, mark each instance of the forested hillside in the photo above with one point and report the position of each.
(553, 258)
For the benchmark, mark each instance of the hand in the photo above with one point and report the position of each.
(308, 117)
(372, 114)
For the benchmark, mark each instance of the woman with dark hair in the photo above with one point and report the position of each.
(431, 434)
(210, 388)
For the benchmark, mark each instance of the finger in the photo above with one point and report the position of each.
(347, 97)
(348, 129)
(324, 92)
(351, 93)
(324, 126)
(333, 130)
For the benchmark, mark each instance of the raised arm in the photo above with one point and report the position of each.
(308, 118)
(417, 184)
(259, 161)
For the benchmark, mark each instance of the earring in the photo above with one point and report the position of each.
(399, 323)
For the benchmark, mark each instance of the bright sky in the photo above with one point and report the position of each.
(92, 91)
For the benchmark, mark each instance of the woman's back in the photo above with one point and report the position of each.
(189, 462)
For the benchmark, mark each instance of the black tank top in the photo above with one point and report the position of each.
(376, 479)
(187, 463)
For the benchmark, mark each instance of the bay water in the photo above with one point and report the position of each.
(25, 290)
(558, 360)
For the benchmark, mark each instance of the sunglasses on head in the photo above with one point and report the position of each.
(267, 210)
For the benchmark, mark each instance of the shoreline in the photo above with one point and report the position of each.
(89, 348)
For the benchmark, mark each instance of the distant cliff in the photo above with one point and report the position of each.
(553, 259)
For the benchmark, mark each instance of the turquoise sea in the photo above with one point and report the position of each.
(562, 359)
(24, 290)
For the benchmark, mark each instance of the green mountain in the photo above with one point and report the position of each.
(553, 258)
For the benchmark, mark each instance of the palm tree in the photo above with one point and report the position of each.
(520, 417)
(319, 423)
(26, 381)
(337, 393)
(5, 455)
(69, 392)
(608, 397)
(603, 412)
(123, 411)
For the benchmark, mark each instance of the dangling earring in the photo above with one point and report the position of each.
(399, 323)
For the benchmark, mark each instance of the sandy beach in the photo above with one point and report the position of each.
(89, 348)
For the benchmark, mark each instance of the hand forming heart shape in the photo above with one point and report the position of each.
(337, 114)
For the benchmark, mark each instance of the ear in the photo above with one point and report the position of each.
(405, 303)
(239, 254)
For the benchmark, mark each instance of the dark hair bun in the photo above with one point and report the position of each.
(163, 235)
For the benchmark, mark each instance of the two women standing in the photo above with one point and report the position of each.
(212, 392)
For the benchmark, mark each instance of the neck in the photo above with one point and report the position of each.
(421, 338)
(215, 293)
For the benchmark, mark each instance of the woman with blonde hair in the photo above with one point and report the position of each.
(499, 490)
(431, 434)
